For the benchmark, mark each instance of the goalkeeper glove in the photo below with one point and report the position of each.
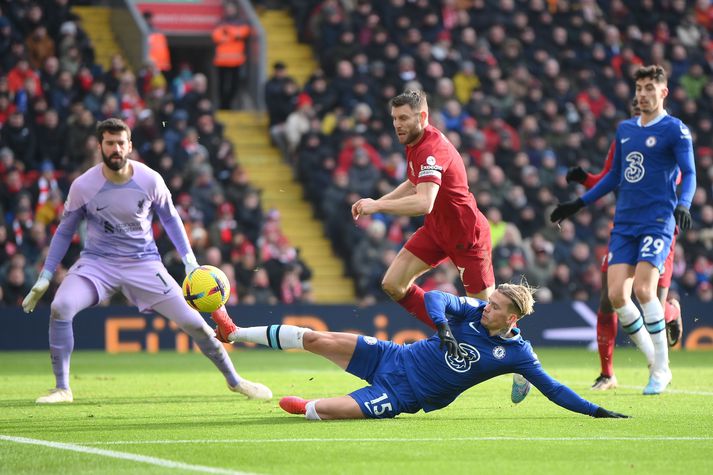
(449, 341)
(37, 291)
(683, 217)
(190, 263)
(601, 412)
(576, 174)
(566, 209)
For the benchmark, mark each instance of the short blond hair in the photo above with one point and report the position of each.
(522, 300)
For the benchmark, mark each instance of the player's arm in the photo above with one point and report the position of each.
(416, 204)
(171, 222)
(592, 179)
(58, 249)
(561, 394)
(605, 186)
(404, 189)
(437, 304)
(683, 151)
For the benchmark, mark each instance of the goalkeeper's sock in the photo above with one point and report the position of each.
(633, 324)
(61, 345)
(214, 351)
(279, 337)
(606, 338)
(655, 324)
(415, 304)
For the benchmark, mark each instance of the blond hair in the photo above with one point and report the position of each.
(521, 297)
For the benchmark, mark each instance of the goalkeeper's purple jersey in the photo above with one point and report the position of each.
(118, 217)
(437, 379)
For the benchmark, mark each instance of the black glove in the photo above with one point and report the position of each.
(576, 174)
(683, 217)
(566, 209)
(447, 340)
(601, 412)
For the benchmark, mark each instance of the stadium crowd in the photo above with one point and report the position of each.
(524, 89)
(51, 96)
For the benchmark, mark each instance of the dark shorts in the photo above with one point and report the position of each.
(380, 363)
(666, 275)
(632, 249)
(473, 261)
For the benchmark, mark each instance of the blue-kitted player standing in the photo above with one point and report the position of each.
(475, 341)
(650, 150)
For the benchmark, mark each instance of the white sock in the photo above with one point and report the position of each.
(311, 411)
(633, 324)
(279, 337)
(655, 324)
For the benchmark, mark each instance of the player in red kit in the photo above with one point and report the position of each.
(454, 228)
(606, 317)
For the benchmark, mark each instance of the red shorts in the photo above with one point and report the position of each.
(474, 263)
(665, 278)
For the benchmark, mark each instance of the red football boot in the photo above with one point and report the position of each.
(674, 322)
(225, 325)
(294, 404)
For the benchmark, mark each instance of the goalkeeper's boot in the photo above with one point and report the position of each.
(658, 382)
(674, 322)
(604, 383)
(294, 404)
(520, 388)
(56, 395)
(252, 390)
(225, 325)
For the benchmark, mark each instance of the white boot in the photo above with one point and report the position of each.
(56, 395)
(252, 390)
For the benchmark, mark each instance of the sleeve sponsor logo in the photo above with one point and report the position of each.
(685, 132)
(431, 160)
(434, 173)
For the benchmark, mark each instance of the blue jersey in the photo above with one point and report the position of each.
(645, 167)
(437, 378)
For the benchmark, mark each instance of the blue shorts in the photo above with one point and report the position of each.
(631, 249)
(380, 363)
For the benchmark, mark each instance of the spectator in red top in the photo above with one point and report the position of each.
(17, 76)
(594, 99)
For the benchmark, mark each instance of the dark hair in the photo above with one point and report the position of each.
(113, 126)
(654, 72)
(413, 98)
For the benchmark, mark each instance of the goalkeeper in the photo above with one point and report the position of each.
(475, 341)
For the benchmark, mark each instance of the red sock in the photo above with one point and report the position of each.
(413, 303)
(606, 337)
(670, 312)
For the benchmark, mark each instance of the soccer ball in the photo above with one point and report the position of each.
(206, 289)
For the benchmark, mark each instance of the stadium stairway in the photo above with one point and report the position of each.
(95, 21)
(282, 45)
(269, 172)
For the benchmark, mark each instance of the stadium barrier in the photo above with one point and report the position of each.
(125, 329)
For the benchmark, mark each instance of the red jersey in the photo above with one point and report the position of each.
(454, 214)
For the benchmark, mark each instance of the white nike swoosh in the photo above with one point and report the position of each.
(625, 140)
(472, 325)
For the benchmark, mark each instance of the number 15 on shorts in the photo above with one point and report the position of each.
(379, 405)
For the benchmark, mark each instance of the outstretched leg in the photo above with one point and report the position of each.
(193, 324)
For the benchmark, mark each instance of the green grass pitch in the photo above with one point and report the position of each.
(171, 413)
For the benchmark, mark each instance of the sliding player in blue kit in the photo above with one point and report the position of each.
(475, 341)
(649, 151)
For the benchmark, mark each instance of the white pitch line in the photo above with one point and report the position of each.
(396, 440)
(121, 455)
